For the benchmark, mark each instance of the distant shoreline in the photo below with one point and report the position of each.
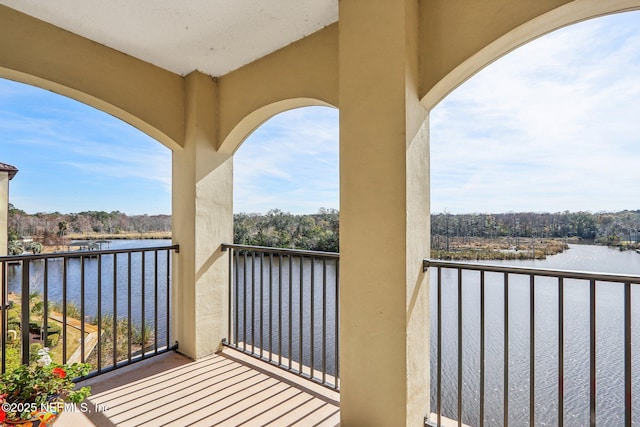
(71, 237)
(119, 236)
(502, 248)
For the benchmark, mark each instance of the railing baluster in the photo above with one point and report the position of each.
(313, 307)
(142, 296)
(45, 302)
(99, 314)
(300, 315)
(270, 307)
(532, 350)
(4, 319)
(252, 304)
(506, 352)
(280, 260)
(628, 401)
(261, 303)
(324, 320)
(244, 303)
(460, 347)
(482, 348)
(236, 336)
(115, 309)
(290, 299)
(25, 312)
(232, 298)
(155, 300)
(560, 352)
(65, 262)
(336, 326)
(82, 284)
(439, 343)
(168, 293)
(592, 354)
(129, 308)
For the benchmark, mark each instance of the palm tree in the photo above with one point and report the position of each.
(15, 247)
(62, 228)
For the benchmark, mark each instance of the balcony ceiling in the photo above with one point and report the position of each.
(212, 36)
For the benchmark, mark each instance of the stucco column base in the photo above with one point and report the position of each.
(202, 220)
(384, 217)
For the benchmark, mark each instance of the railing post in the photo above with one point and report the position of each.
(24, 316)
(3, 320)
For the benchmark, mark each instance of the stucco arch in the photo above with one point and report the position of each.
(561, 16)
(253, 120)
(302, 74)
(141, 94)
(94, 102)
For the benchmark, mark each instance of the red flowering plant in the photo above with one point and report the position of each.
(30, 389)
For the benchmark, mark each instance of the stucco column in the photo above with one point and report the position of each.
(4, 211)
(202, 221)
(384, 217)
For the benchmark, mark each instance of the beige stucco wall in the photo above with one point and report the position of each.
(202, 214)
(384, 214)
(4, 211)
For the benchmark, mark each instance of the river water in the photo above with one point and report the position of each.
(609, 343)
(122, 296)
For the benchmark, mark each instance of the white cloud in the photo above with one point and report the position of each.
(72, 157)
(551, 126)
(290, 163)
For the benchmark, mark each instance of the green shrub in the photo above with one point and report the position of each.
(52, 340)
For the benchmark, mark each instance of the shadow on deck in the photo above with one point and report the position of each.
(225, 389)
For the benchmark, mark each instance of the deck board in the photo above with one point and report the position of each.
(225, 389)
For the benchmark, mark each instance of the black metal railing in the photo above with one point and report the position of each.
(108, 308)
(283, 308)
(527, 346)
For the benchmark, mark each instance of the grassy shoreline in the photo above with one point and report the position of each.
(120, 236)
(478, 248)
(65, 247)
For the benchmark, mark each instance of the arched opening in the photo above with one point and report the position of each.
(541, 143)
(286, 196)
(74, 158)
(287, 170)
(87, 182)
(549, 127)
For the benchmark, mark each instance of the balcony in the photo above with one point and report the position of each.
(225, 389)
(493, 328)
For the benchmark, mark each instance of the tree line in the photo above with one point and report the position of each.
(320, 231)
(610, 228)
(278, 229)
(45, 227)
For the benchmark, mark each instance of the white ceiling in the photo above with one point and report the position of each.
(212, 36)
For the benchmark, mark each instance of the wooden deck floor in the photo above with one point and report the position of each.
(226, 389)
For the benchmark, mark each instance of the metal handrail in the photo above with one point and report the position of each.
(455, 286)
(274, 312)
(546, 272)
(73, 254)
(107, 268)
(265, 249)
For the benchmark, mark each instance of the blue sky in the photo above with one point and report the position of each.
(553, 126)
